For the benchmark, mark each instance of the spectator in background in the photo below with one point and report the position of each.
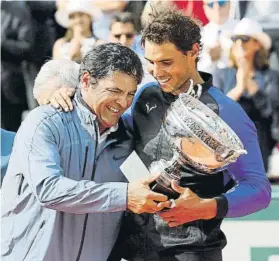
(43, 21)
(136, 8)
(250, 81)
(216, 43)
(77, 17)
(107, 9)
(266, 13)
(123, 29)
(17, 40)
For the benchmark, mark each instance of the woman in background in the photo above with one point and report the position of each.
(249, 80)
(77, 17)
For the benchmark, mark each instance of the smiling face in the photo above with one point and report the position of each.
(110, 97)
(169, 66)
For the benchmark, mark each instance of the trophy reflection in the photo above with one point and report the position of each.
(200, 141)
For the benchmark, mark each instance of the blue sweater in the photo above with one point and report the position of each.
(252, 191)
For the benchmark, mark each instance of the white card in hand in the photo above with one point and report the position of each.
(133, 168)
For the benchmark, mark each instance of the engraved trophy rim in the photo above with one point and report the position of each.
(201, 140)
(218, 136)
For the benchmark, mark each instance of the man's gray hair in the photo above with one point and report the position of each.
(54, 74)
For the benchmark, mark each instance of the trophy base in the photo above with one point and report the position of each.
(169, 192)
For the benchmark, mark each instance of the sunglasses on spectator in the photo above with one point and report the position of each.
(129, 36)
(221, 3)
(242, 38)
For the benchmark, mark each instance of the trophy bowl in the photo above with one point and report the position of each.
(200, 140)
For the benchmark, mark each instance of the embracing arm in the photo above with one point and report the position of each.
(58, 96)
(252, 191)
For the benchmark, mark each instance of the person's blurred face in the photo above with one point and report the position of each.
(123, 33)
(81, 20)
(110, 97)
(244, 47)
(169, 66)
(217, 11)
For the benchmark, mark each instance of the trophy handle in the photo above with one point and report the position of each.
(232, 156)
(168, 170)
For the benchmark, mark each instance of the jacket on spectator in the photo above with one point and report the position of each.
(17, 39)
(261, 107)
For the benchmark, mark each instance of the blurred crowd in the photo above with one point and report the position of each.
(240, 48)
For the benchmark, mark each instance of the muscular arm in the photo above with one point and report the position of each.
(252, 191)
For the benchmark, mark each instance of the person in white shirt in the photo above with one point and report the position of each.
(77, 17)
(216, 43)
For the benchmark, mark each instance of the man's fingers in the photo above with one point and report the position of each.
(45, 102)
(61, 101)
(152, 207)
(167, 219)
(71, 92)
(67, 100)
(168, 214)
(177, 188)
(54, 103)
(149, 207)
(174, 224)
(163, 205)
(150, 179)
(157, 196)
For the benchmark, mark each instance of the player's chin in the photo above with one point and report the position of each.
(166, 87)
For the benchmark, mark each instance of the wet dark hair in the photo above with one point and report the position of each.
(124, 18)
(174, 27)
(105, 59)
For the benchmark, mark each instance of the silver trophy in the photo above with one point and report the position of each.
(200, 140)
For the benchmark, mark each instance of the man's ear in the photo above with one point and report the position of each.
(85, 81)
(195, 50)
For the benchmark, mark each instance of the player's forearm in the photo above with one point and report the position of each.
(209, 208)
(248, 197)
